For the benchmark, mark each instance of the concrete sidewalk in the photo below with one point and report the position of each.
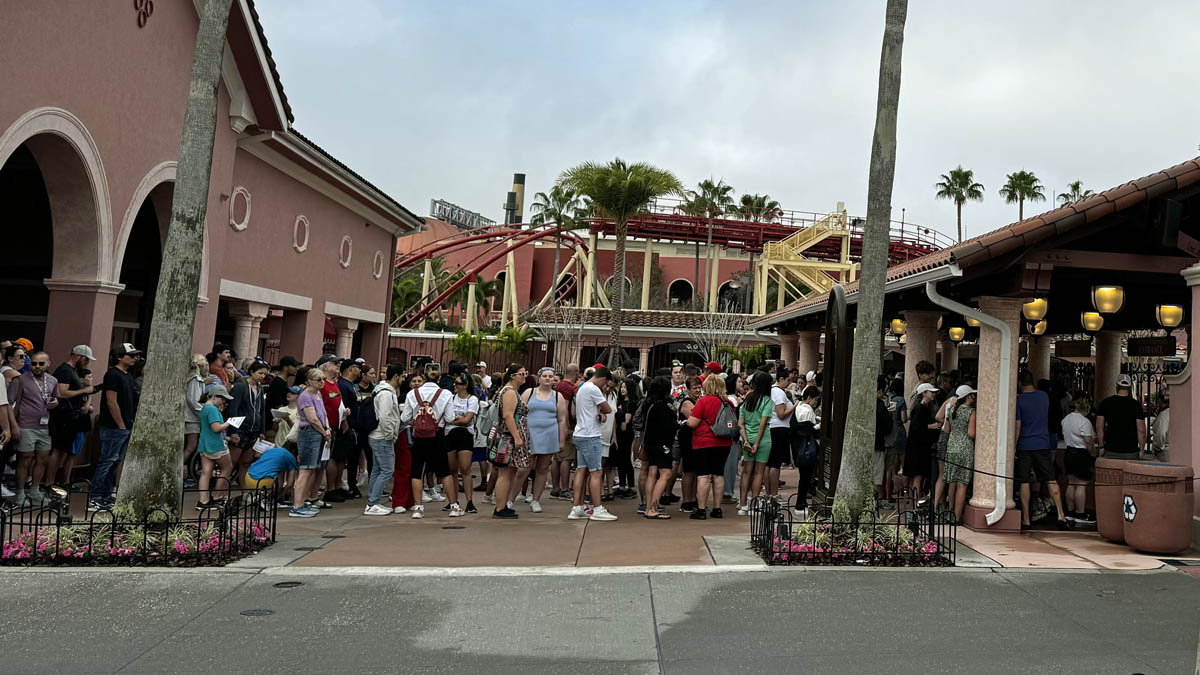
(771, 620)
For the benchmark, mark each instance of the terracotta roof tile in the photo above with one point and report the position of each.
(1070, 222)
(1159, 189)
(1185, 179)
(1085, 204)
(1147, 181)
(1027, 225)
(1099, 211)
(1182, 167)
(1127, 200)
(1121, 191)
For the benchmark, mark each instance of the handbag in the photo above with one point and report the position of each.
(499, 448)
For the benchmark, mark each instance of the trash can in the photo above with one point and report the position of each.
(1157, 506)
(1109, 493)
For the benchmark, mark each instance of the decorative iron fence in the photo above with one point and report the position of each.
(1072, 376)
(917, 538)
(61, 531)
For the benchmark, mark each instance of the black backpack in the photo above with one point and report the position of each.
(365, 419)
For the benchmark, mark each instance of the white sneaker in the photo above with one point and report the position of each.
(377, 510)
(535, 506)
(509, 505)
(455, 510)
(743, 510)
(601, 513)
(577, 513)
(6, 493)
(426, 496)
(489, 499)
(438, 496)
(399, 509)
(802, 514)
(520, 498)
(418, 512)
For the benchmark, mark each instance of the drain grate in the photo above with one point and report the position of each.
(257, 612)
(454, 527)
(289, 584)
(333, 536)
(307, 548)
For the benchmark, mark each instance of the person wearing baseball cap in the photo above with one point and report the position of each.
(277, 391)
(67, 420)
(713, 367)
(213, 448)
(481, 371)
(1121, 423)
(922, 437)
(117, 409)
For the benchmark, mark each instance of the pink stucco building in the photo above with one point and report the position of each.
(298, 249)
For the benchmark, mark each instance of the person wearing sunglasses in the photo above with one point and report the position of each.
(33, 395)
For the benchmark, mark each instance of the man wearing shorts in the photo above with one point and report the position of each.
(73, 415)
(1035, 459)
(331, 400)
(428, 454)
(591, 409)
(33, 395)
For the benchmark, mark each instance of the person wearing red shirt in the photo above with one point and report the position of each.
(331, 397)
(709, 451)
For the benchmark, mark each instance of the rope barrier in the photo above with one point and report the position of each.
(1014, 479)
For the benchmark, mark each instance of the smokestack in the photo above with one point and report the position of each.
(510, 209)
(519, 189)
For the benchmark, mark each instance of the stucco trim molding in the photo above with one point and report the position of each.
(163, 172)
(67, 126)
(378, 265)
(348, 312)
(345, 251)
(239, 225)
(297, 243)
(237, 290)
(83, 286)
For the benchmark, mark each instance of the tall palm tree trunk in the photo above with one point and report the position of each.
(856, 482)
(154, 467)
(960, 221)
(1020, 209)
(621, 229)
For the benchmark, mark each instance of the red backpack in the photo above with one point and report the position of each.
(425, 425)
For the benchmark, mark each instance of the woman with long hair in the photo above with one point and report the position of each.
(627, 405)
(460, 441)
(547, 424)
(687, 462)
(1080, 459)
(806, 437)
(754, 420)
(661, 426)
(514, 427)
(193, 403)
(894, 461)
(708, 450)
(923, 433)
(960, 449)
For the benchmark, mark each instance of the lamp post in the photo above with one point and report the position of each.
(1168, 316)
(1108, 299)
(1092, 322)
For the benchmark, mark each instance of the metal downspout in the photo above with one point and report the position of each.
(1004, 404)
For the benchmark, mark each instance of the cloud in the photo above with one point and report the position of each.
(448, 100)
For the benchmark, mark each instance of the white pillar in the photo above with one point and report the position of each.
(787, 349)
(714, 275)
(247, 321)
(949, 355)
(1108, 364)
(644, 362)
(808, 350)
(426, 280)
(919, 345)
(646, 265)
(472, 310)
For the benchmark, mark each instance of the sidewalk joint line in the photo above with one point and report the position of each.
(654, 618)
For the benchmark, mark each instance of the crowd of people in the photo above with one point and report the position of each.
(697, 437)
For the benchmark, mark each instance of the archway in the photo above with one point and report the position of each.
(56, 230)
(729, 299)
(139, 263)
(680, 292)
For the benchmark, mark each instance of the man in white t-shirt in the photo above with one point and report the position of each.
(481, 371)
(591, 411)
(780, 426)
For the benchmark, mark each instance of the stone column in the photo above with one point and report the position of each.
(247, 322)
(472, 310)
(647, 259)
(644, 361)
(808, 350)
(920, 345)
(374, 345)
(345, 336)
(426, 280)
(1108, 364)
(787, 349)
(302, 334)
(714, 274)
(1039, 357)
(949, 355)
(80, 312)
(1185, 395)
(987, 421)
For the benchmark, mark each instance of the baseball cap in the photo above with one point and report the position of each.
(676, 362)
(481, 364)
(713, 367)
(84, 351)
(811, 376)
(326, 358)
(360, 360)
(219, 390)
(1124, 382)
(125, 349)
(924, 387)
(24, 343)
(289, 362)
(964, 390)
(598, 366)
(295, 390)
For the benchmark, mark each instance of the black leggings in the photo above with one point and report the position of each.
(625, 464)
(806, 476)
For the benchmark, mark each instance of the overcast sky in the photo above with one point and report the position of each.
(449, 99)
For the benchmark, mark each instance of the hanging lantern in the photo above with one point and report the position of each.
(903, 339)
(1038, 328)
(1092, 321)
(899, 326)
(1035, 310)
(956, 333)
(973, 323)
(939, 322)
(1108, 299)
(1168, 316)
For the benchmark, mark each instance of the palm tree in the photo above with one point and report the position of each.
(959, 186)
(759, 208)
(1074, 193)
(563, 207)
(153, 474)
(515, 339)
(855, 484)
(620, 191)
(1021, 186)
(710, 200)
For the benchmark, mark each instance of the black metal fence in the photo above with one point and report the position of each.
(63, 531)
(917, 538)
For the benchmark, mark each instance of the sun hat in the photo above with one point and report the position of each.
(964, 390)
(924, 387)
(219, 390)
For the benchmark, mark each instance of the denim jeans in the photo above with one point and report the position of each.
(113, 444)
(382, 468)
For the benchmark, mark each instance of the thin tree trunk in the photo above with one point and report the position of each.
(696, 278)
(153, 472)
(618, 301)
(960, 222)
(1020, 209)
(557, 254)
(856, 481)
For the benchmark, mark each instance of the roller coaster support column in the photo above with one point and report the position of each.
(780, 289)
(426, 280)
(512, 274)
(472, 311)
(714, 256)
(589, 287)
(646, 275)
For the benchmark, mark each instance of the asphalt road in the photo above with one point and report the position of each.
(772, 621)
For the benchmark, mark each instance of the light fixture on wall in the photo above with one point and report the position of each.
(956, 333)
(973, 323)
(1038, 328)
(899, 326)
(1168, 316)
(903, 339)
(1108, 299)
(1035, 310)
(1092, 322)
(939, 322)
